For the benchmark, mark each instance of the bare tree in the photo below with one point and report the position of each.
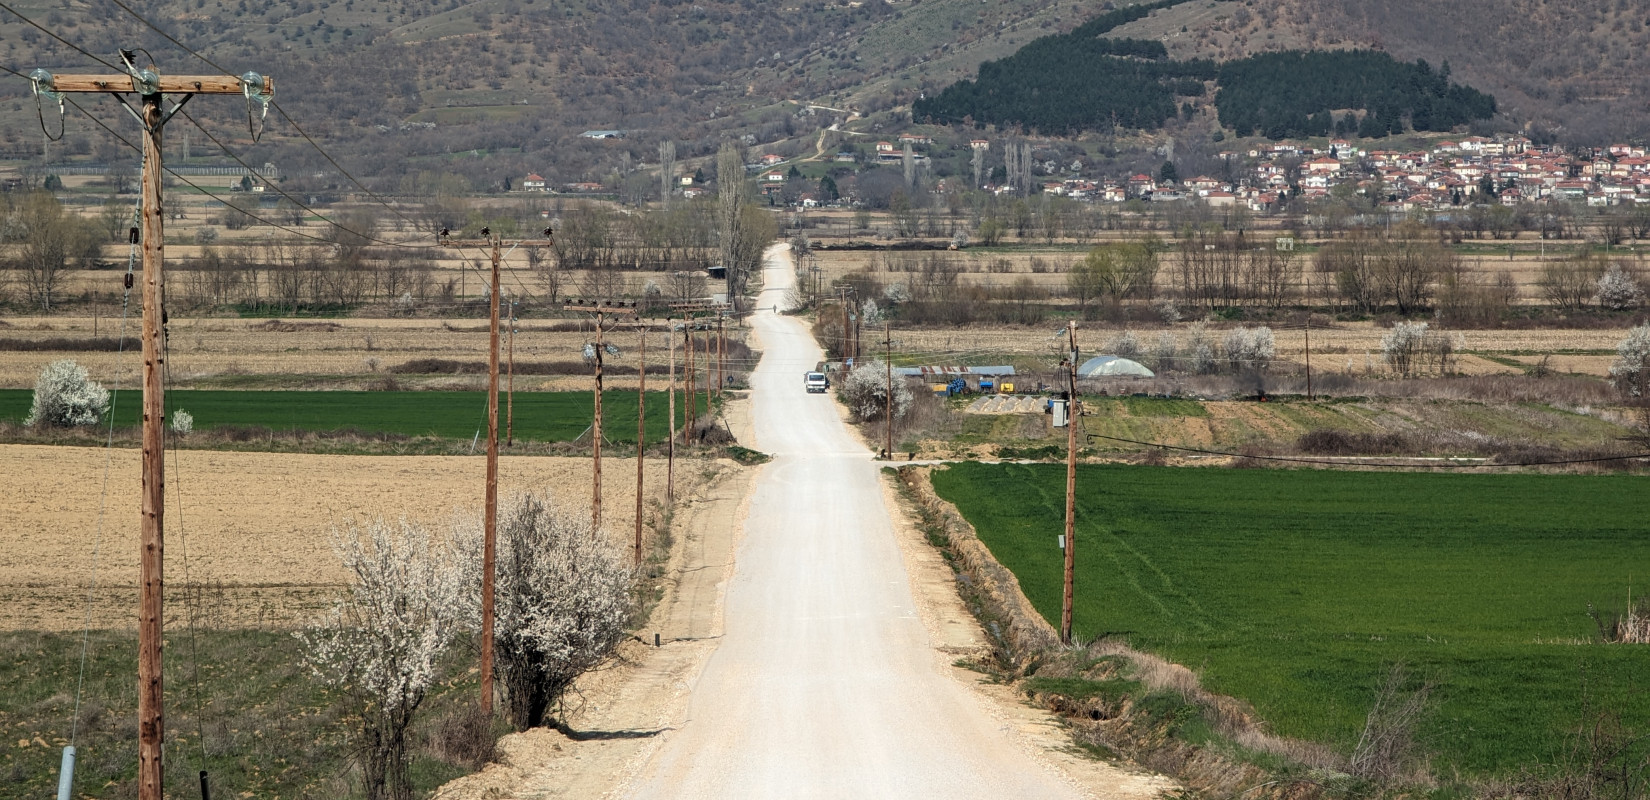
(50, 241)
(667, 171)
(730, 183)
(1571, 283)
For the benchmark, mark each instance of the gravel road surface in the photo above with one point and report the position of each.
(825, 683)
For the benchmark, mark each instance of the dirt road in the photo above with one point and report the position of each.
(826, 682)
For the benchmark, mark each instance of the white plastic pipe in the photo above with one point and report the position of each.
(65, 776)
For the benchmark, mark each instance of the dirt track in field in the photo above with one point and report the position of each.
(256, 526)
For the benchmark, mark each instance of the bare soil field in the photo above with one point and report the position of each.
(251, 529)
(1350, 346)
(205, 348)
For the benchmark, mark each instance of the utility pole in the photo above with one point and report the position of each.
(600, 308)
(1071, 486)
(510, 389)
(721, 354)
(152, 89)
(1309, 357)
(888, 411)
(670, 394)
(689, 398)
(641, 441)
(689, 321)
(489, 540)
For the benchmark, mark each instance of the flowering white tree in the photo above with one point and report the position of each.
(380, 643)
(1164, 353)
(1200, 349)
(1631, 372)
(183, 422)
(1250, 348)
(1403, 345)
(866, 392)
(1619, 290)
(562, 598)
(65, 396)
(1125, 345)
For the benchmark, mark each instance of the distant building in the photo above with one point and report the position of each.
(534, 183)
(602, 134)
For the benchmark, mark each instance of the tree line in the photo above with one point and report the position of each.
(1066, 83)
(1293, 94)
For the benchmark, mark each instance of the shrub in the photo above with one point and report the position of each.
(1125, 345)
(65, 396)
(1250, 348)
(379, 645)
(1631, 372)
(1619, 290)
(182, 422)
(866, 392)
(1200, 350)
(561, 599)
(1402, 345)
(1163, 354)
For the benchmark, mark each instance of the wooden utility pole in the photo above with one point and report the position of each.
(690, 398)
(489, 546)
(510, 387)
(721, 354)
(888, 411)
(1071, 487)
(600, 309)
(689, 321)
(489, 540)
(641, 441)
(152, 89)
(670, 393)
(1309, 357)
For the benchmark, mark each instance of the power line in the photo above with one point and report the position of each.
(324, 154)
(169, 38)
(278, 109)
(66, 42)
(285, 194)
(197, 187)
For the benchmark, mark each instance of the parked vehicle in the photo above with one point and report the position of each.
(815, 382)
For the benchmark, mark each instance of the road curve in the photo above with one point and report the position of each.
(825, 684)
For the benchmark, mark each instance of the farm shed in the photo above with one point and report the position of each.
(1111, 366)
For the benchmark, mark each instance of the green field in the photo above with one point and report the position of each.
(1296, 590)
(539, 416)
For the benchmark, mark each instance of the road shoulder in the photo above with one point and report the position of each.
(955, 635)
(622, 713)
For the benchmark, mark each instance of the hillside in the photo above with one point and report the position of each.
(493, 89)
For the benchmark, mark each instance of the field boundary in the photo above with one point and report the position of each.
(1134, 725)
(1018, 630)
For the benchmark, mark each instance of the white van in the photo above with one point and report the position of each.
(815, 382)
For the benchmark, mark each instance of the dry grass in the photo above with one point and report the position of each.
(253, 526)
(209, 348)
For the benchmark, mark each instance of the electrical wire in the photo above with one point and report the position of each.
(152, 26)
(328, 156)
(203, 190)
(66, 42)
(102, 505)
(282, 111)
(285, 194)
